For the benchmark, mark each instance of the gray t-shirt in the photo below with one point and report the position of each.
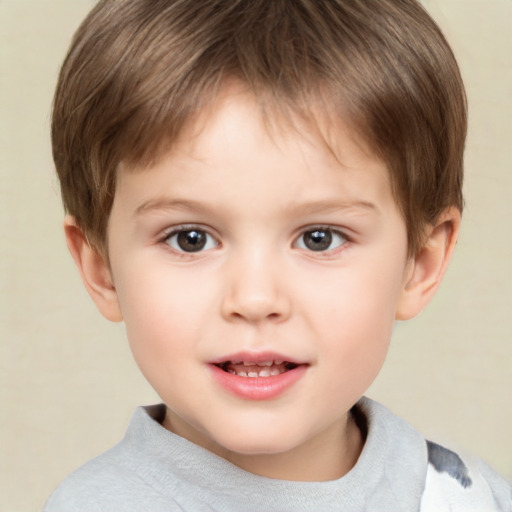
(153, 470)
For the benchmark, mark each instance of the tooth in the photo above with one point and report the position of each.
(236, 362)
(232, 372)
(265, 373)
(267, 363)
(252, 374)
(248, 364)
(278, 361)
(275, 371)
(242, 374)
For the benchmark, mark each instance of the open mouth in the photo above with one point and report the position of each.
(259, 376)
(253, 370)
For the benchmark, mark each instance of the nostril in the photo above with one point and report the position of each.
(255, 302)
(255, 315)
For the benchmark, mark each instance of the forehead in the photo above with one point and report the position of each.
(236, 114)
(235, 155)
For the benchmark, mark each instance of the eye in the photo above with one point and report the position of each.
(321, 239)
(190, 240)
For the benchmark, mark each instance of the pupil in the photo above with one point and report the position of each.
(318, 240)
(191, 241)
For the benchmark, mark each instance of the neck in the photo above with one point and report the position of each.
(324, 457)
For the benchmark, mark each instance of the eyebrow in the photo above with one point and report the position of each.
(310, 207)
(333, 206)
(169, 204)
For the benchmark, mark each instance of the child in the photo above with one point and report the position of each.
(259, 189)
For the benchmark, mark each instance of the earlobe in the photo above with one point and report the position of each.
(95, 272)
(425, 271)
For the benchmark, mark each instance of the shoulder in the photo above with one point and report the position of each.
(462, 484)
(440, 479)
(105, 484)
(118, 480)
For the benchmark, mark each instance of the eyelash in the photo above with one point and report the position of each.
(184, 229)
(325, 229)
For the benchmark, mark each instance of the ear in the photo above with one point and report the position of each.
(425, 271)
(94, 270)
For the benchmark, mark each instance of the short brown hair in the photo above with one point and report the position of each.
(139, 70)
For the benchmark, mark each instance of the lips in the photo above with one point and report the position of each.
(247, 369)
(257, 376)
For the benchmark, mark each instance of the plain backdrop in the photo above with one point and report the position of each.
(68, 384)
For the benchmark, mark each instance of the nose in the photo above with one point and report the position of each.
(255, 290)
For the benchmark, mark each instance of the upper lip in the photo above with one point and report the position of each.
(256, 357)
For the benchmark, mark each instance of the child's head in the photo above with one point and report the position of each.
(138, 72)
(267, 186)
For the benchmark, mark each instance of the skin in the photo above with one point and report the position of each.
(257, 287)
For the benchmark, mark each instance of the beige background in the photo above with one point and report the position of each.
(67, 382)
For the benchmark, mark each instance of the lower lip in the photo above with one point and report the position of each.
(258, 388)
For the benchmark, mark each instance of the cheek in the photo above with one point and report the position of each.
(361, 298)
(354, 350)
(355, 321)
(162, 316)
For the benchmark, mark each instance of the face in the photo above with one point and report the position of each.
(258, 277)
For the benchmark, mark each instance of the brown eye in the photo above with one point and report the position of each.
(190, 240)
(321, 239)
